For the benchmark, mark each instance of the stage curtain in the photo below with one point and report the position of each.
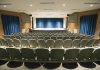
(88, 24)
(11, 24)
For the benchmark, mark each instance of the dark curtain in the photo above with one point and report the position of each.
(11, 24)
(88, 24)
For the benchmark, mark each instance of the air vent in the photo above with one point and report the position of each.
(47, 2)
(91, 3)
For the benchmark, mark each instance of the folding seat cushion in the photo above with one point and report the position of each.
(67, 43)
(71, 55)
(76, 43)
(50, 43)
(42, 54)
(40, 37)
(97, 43)
(90, 43)
(41, 43)
(16, 42)
(57, 54)
(27, 54)
(25, 43)
(14, 54)
(83, 42)
(3, 54)
(85, 54)
(9, 42)
(59, 37)
(58, 43)
(33, 43)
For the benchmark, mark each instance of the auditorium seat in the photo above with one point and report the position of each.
(42, 54)
(28, 54)
(46, 37)
(9, 42)
(96, 55)
(16, 42)
(76, 43)
(50, 43)
(53, 37)
(83, 43)
(58, 43)
(96, 43)
(90, 43)
(4, 42)
(41, 43)
(14, 54)
(33, 43)
(25, 43)
(56, 55)
(85, 55)
(67, 43)
(3, 54)
(71, 55)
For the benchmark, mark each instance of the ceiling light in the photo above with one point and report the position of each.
(91, 5)
(5, 6)
(30, 5)
(63, 5)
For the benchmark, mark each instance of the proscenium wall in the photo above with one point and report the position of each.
(24, 23)
(74, 23)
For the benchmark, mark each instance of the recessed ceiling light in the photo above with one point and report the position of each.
(91, 5)
(30, 5)
(64, 5)
(5, 6)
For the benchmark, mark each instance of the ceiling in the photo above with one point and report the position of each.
(49, 7)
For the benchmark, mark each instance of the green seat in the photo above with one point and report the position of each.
(85, 54)
(27, 54)
(25, 43)
(4, 42)
(58, 43)
(53, 37)
(90, 43)
(67, 43)
(9, 42)
(50, 43)
(83, 43)
(71, 55)
(16, 43)
(76, 43)
(3, 54)
(96, 55)
(41, 43)
(57, 55)
(42, 54)
(14, 54)
(97, 43)
(33, 43)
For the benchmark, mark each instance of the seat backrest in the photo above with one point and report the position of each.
(24, 43)
(58, 43)
(50, 43)
(76, 43)
(41, 43)
(90, 43)
(9, 42)
(97, 43)
(85, 54)
(33, 43)
(16, 42)
(4, 42)
(67, 43)
(83, 42)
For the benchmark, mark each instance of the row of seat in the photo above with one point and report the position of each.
(49, 37)
(53, 55)
(50, 43)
